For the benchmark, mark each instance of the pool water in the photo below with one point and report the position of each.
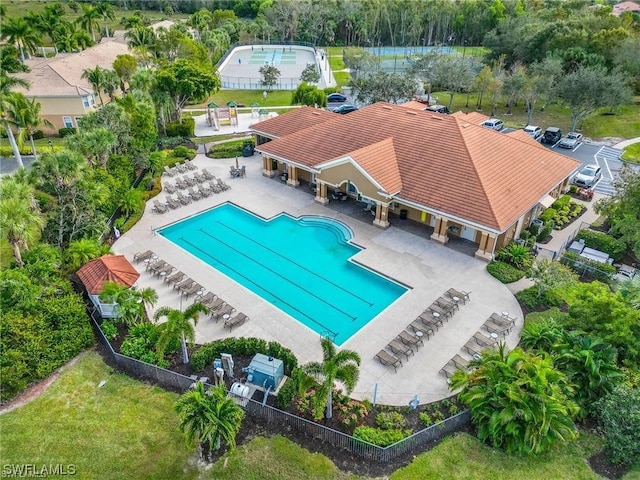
(302, 266)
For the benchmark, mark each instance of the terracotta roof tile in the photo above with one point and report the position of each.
(471, 117)
(114, 268)
(414, 104)
(445, 163)
(293, 121)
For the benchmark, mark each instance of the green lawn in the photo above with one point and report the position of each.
(476, 52)
(123, 430)
(127, 429)
(632, 153)
(275, 98)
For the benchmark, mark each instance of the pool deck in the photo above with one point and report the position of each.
(427, 267)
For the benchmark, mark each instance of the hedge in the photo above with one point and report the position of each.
(504, 272)
(603, 242)
(242, 346)
(185, 128)
(65, 132)
(227, 149)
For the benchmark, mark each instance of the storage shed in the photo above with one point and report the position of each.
(265, 371)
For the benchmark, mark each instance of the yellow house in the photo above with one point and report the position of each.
(444, 172)
(58, 85)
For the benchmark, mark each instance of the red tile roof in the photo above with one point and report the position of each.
(444, 162)
(293, 121)
(114, 268)
(471, 117)
(414, 104)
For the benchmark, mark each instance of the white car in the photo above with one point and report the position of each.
(572, 140)
(588, 176)
(625, 272)
(493, 124)
(533, 131)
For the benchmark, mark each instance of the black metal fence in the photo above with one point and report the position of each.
(177, 381)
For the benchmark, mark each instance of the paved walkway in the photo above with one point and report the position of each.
(626, 143)
(427, 267)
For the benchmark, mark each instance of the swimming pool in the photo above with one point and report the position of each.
(302, 266)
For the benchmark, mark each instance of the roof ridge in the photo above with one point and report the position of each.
(483, 187)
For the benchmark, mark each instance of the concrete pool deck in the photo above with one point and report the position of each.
(427, 267)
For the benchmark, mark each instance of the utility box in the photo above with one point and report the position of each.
(265, 371)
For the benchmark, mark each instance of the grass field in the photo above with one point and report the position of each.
(275, 98)
(632, 153)
(127, 429)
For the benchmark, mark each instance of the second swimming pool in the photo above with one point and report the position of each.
(302, 266)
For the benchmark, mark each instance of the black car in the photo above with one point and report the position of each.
(345, 108)
(336, 98)
(552, 135)
(437, 109)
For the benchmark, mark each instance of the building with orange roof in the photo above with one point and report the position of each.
(622, 7)
(446, 172)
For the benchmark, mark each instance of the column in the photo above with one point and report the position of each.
(485, 247)
(440, 231)
(292, 181)
(267, 167)
(321, 192)
(382, 215)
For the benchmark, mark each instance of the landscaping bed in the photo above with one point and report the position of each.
(563, 212)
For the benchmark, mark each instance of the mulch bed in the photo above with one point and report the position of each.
(601, 465)
(573, 219)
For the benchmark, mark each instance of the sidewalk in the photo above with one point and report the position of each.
(624, 144)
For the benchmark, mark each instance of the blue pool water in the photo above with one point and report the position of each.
(299, 265)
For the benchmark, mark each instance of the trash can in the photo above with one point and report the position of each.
(403, 214)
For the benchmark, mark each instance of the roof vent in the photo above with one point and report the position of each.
(315, 113)
(465, 125)
(439, 117)
(411, 112)
(386, 107)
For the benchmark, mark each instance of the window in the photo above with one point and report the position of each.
(85, 102)
(67, 122)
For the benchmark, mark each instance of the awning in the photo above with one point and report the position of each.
(547, 201)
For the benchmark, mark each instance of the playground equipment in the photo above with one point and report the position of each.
(217, 116)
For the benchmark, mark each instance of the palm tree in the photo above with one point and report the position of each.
(179, 324)
(132, 302)
(96, 77)
(106, 12)
(89, 19)
(131, 202)
(95, 144)
(518, 401)
(49, 21)
(141, 40)
(80, 252)
(341, 366)
(19, 216)
(208, 417)
(111, 82)
(630, 291)
(18, 32)
(25, 114)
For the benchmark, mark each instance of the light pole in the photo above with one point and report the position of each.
(464, 48)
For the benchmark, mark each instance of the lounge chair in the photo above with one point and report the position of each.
(238, 319)
(208, 175)
(472, 347)
(418, 326)
(172, 202)
(226, 309)
(410, 340)
(195, 288)
(503, 320)
(156, 266)
(181, 184)
(386, 358)
(190, 165)
(223, 185)
(168, 171)
(199, 177)
(164, 271)
(428, 319)
(495, 328)
(193, 194)
(442, 313)
(215, 304)
(158, 207)
(460, 362)
(447, 304)
(187, 283)
(397, 347)
(169, 188)
(484, 341)
(205, 192)
(180, 167)
(453, 293)
(448, 370)
(142, 256)
(175, 278)
(205, 299)
(183, 200)
(191, 182)
(214, 187)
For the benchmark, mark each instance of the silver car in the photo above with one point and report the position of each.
(572, 140)
(588, 176)
(533, 131)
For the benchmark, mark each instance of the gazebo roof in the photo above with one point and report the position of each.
(212, 105)
(232, 104)
(114, 268)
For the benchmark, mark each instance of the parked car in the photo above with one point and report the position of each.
(345, 108)
(437, 109)
(588, 176)
(552, 135)
(336, 98)
(533, 131)
(494, 124)
(625, 272)
(572, 140)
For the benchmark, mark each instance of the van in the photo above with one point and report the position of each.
(493, 124)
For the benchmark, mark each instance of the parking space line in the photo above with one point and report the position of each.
(579, 145)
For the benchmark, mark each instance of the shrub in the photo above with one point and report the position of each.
(227, 149)
(170, 142)
(288, 391)
(185, 128)
(65, 132)
(242, 346)
(530, 299)
(548, 214)
(504, 272)
(520, 256)
(603, 242)
(545, 231)
(109, 329)
(382, 438)
(183, 152)
(425, 418)
(618, 414)
(573, 189)
(38, 134)
(562, 202)
(45, 201)
(390, 421)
